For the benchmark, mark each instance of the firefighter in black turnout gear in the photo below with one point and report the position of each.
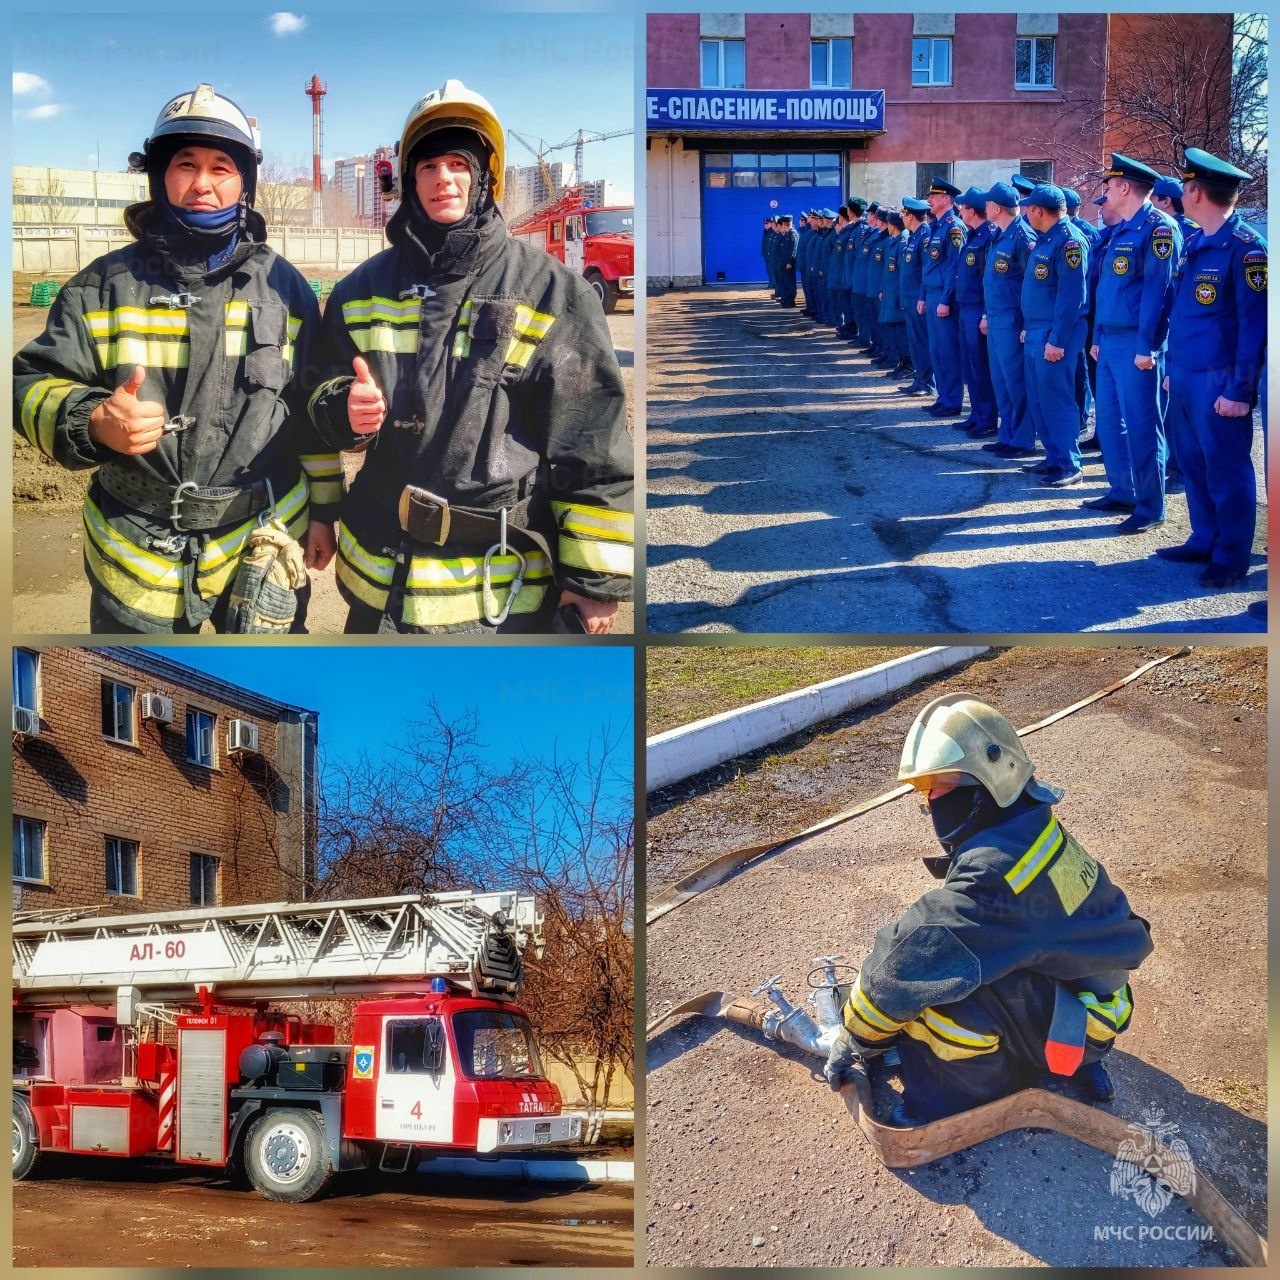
(479, 376)
(1018, 964)
(176, 368)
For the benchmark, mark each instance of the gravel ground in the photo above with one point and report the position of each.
(49, 592)
(751, 1161)
(792, 489)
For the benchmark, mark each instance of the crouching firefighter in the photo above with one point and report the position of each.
(478, 376)
(174, 366)
(1018, 964)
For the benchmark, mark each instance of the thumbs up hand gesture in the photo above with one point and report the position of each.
(366, 407)
(125, 423)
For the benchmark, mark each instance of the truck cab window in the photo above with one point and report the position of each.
(415, 1046)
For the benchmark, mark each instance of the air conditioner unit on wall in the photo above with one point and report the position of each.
(26, 721)
(242, 735)
(155, 706)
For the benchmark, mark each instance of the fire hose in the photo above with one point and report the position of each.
(898, 1148)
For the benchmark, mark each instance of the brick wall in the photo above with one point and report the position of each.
(86, 787)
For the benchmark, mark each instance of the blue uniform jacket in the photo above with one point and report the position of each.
(1219, 314)
(911, 265)
(1006, 264)
(972, 265)
(858, 280)
(1135, 276)
(892, 310)
(946, 240)
(1055, 286)
(875, 276)
(1086, 229)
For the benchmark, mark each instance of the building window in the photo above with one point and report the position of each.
(1033, 63)
(204, 880)
(1036, 170)
(931, 60)
(930, 172)
(831, 64)
(200, 727)
(28, 849)
(724, 64)
(122, 866)
(26, 679)
(117, 711)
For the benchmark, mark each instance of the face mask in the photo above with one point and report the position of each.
(952, 813)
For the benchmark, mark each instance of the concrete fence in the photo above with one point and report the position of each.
(62, 251)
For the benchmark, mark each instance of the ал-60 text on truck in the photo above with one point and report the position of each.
(153, 1035)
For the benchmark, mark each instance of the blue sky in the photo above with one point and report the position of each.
(92, 84)
(529, 701)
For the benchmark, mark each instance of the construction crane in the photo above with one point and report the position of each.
(539, 153)
(581, 137)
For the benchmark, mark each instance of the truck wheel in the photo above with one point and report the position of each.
(605, 290)
(26, 1146)
(286, 1156)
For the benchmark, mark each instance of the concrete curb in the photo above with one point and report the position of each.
(681, 753)
(517, 1170)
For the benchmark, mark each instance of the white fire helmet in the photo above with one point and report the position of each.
(958, 734)
(454, 106)
(207, 119)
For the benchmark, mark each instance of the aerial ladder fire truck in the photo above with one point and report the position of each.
(155, 1035)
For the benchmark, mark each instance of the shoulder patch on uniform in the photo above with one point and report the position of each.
(1255, 269)
(1162, 241)
(957, 236)
(1072, 253)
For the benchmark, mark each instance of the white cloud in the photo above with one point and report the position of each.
(45, 112)
(286, 24)
(25, 84)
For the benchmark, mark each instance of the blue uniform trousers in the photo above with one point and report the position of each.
(918, 342)
(1129, 427)
(1084, 388)
(895, 339)
(1009, 380)
(944, 346)
(977, 370)
(1217, 468)
(1051, 396)
(787, 285)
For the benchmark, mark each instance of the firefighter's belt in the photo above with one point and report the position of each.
(428, 518)
(187, 507)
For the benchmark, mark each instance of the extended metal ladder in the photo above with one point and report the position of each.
(278, 950)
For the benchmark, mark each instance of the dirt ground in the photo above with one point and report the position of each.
(752, 1161)
(156, 1215)
(50, 596)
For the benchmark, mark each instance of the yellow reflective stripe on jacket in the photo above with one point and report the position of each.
(151, 336)
(237, 337)
(865, 1019)
(383, 324)
(39, 413)
(1034, 861)
(324, 476)
(530, 328)
(595, 538)
(947, 1039)
(462, 339)
(1114, 1012)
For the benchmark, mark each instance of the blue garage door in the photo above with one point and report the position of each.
(742, 188)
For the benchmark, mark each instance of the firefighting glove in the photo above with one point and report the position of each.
(844, 1063)
(264, 599)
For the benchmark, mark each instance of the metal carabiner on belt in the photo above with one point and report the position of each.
(486, 589)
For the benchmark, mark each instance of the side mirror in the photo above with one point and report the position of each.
(433, 1049)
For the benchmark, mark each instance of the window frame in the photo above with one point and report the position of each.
(40, 825)
(720, 42)
(120, 842)
(212, 717)
(935, 170)
(1032, 87)
(1028, 173)
(934, 41)
(34, 655)
(216, 862)
(132, 739)
(829, 43)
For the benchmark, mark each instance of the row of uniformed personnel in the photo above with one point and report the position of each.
(1154, 323)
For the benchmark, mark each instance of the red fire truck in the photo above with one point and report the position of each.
(598, 242)
(154, 1035)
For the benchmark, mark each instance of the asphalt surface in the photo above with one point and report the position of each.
(752, 1161)
(111, 1213)
(50, 595)
(791, 489)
